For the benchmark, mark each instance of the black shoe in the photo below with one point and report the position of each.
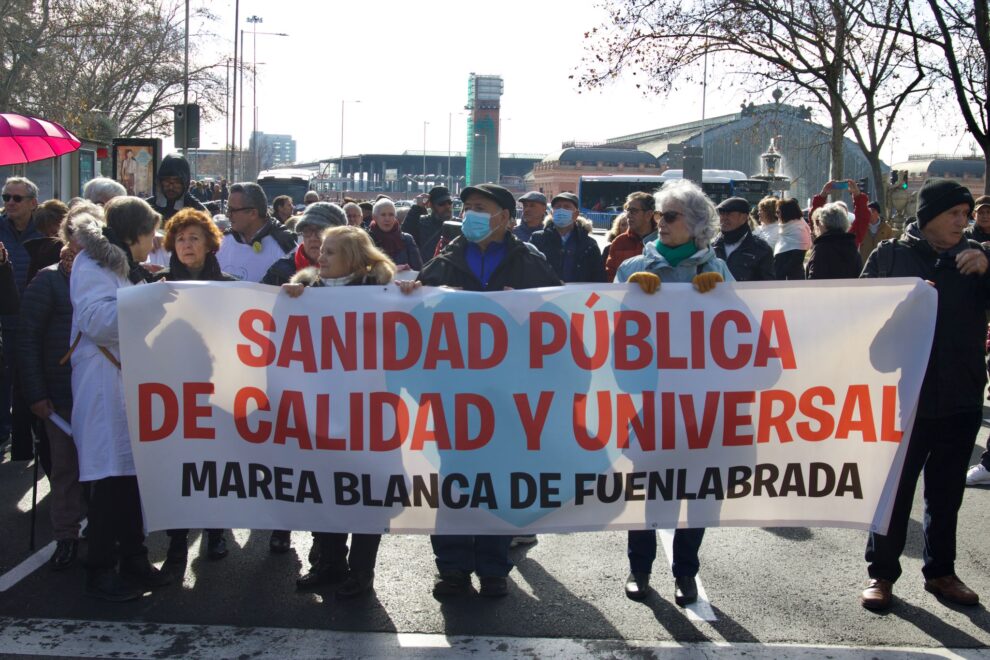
(494, 587)
(638, 586)
(216, 544)
(357, 583)
(280, 541)
(64, 555)
(452, 583)
(142, 572)
(105, 584)
(685, 590)
(178, 550)
(321, 575)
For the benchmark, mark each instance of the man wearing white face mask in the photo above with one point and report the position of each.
(485, 257)
(567, 243)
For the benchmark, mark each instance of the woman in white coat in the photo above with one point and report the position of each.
(109, 261)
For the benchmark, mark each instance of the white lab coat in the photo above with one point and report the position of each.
(99, 419)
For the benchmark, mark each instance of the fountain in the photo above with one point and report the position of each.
(771, 163)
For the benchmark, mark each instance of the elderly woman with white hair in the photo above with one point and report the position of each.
(688, 222)
(834, 254)
(400, 247)
(101, 190)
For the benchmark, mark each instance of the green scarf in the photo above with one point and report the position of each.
(675, 255)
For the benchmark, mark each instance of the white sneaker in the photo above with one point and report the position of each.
(977, 475)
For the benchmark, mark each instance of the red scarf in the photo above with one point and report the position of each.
(390, 242)
(302, 261)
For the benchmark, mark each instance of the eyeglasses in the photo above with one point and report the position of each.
(231, 210)
(633, 209)
(670, 216)
(15, 198)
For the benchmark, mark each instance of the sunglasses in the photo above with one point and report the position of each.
(670, 216)
(446, 203)
(15, 198)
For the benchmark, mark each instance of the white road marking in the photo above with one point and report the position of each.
(700, 610)
(26, 567)
(91, 639)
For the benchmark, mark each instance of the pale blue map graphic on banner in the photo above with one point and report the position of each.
(560, 375)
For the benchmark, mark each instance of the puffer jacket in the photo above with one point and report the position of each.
(45, 336)
(702, 261)
(580, 247)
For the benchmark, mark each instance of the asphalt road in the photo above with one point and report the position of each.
(765, 586)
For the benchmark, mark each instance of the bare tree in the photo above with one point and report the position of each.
(109, 62)
(817, 46)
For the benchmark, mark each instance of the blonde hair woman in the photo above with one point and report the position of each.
(348, 257)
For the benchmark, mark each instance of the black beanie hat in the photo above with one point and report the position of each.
(790, 209)
(940, 195)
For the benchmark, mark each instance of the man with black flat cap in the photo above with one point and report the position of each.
(950, 406)
(427, 227)
(485, 257)
(749, 257)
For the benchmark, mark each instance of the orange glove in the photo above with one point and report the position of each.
(648, 282)
(705, 282)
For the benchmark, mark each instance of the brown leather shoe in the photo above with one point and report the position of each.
(877, 595)
(952, 589)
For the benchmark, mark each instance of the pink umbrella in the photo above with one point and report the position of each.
(26, 139)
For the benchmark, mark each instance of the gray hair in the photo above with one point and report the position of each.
(83, 208)
(102, 189)
(254, 195)
(24, 181)
(380, 204)
(832, 217)
(349, 205)
(699, 212)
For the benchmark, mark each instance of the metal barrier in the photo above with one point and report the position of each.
(600, 219)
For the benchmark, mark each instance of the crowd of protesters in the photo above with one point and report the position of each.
(61, 267)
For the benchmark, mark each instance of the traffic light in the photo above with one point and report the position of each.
(894, 175)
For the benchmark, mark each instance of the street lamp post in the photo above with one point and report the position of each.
(484, 157)
(340, 169)
(425, 124)
(254, 20)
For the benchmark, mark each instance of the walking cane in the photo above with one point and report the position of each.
(34, 492)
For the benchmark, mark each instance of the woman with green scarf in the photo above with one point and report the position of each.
(687, 222)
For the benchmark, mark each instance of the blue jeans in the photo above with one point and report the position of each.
(642, 551)
(488, 556)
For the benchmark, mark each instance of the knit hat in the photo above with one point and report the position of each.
(321, 215)
(789, 209)
(938, 196)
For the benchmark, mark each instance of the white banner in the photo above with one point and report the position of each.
(586, 407)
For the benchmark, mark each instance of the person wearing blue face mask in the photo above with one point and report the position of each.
(567, 243)
(485, 257)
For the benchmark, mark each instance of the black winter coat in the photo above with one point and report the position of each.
(425, 228)
(834, 256)
(44, 338)
(281, 271)
(956, 374)
(751, 261)
(588, 264)
(177, 271)
(521, 268)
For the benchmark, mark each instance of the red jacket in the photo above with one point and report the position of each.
(623, 247)
(861, 213)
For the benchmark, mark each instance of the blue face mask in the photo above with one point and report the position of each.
(476, 226)
(563, 218)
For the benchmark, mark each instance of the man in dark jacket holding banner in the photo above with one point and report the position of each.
(486, 257)
(950, 405)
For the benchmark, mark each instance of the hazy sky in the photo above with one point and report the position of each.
(408, 63)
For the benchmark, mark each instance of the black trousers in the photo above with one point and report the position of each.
(114, 519)
(333, 552)
(940, 447)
